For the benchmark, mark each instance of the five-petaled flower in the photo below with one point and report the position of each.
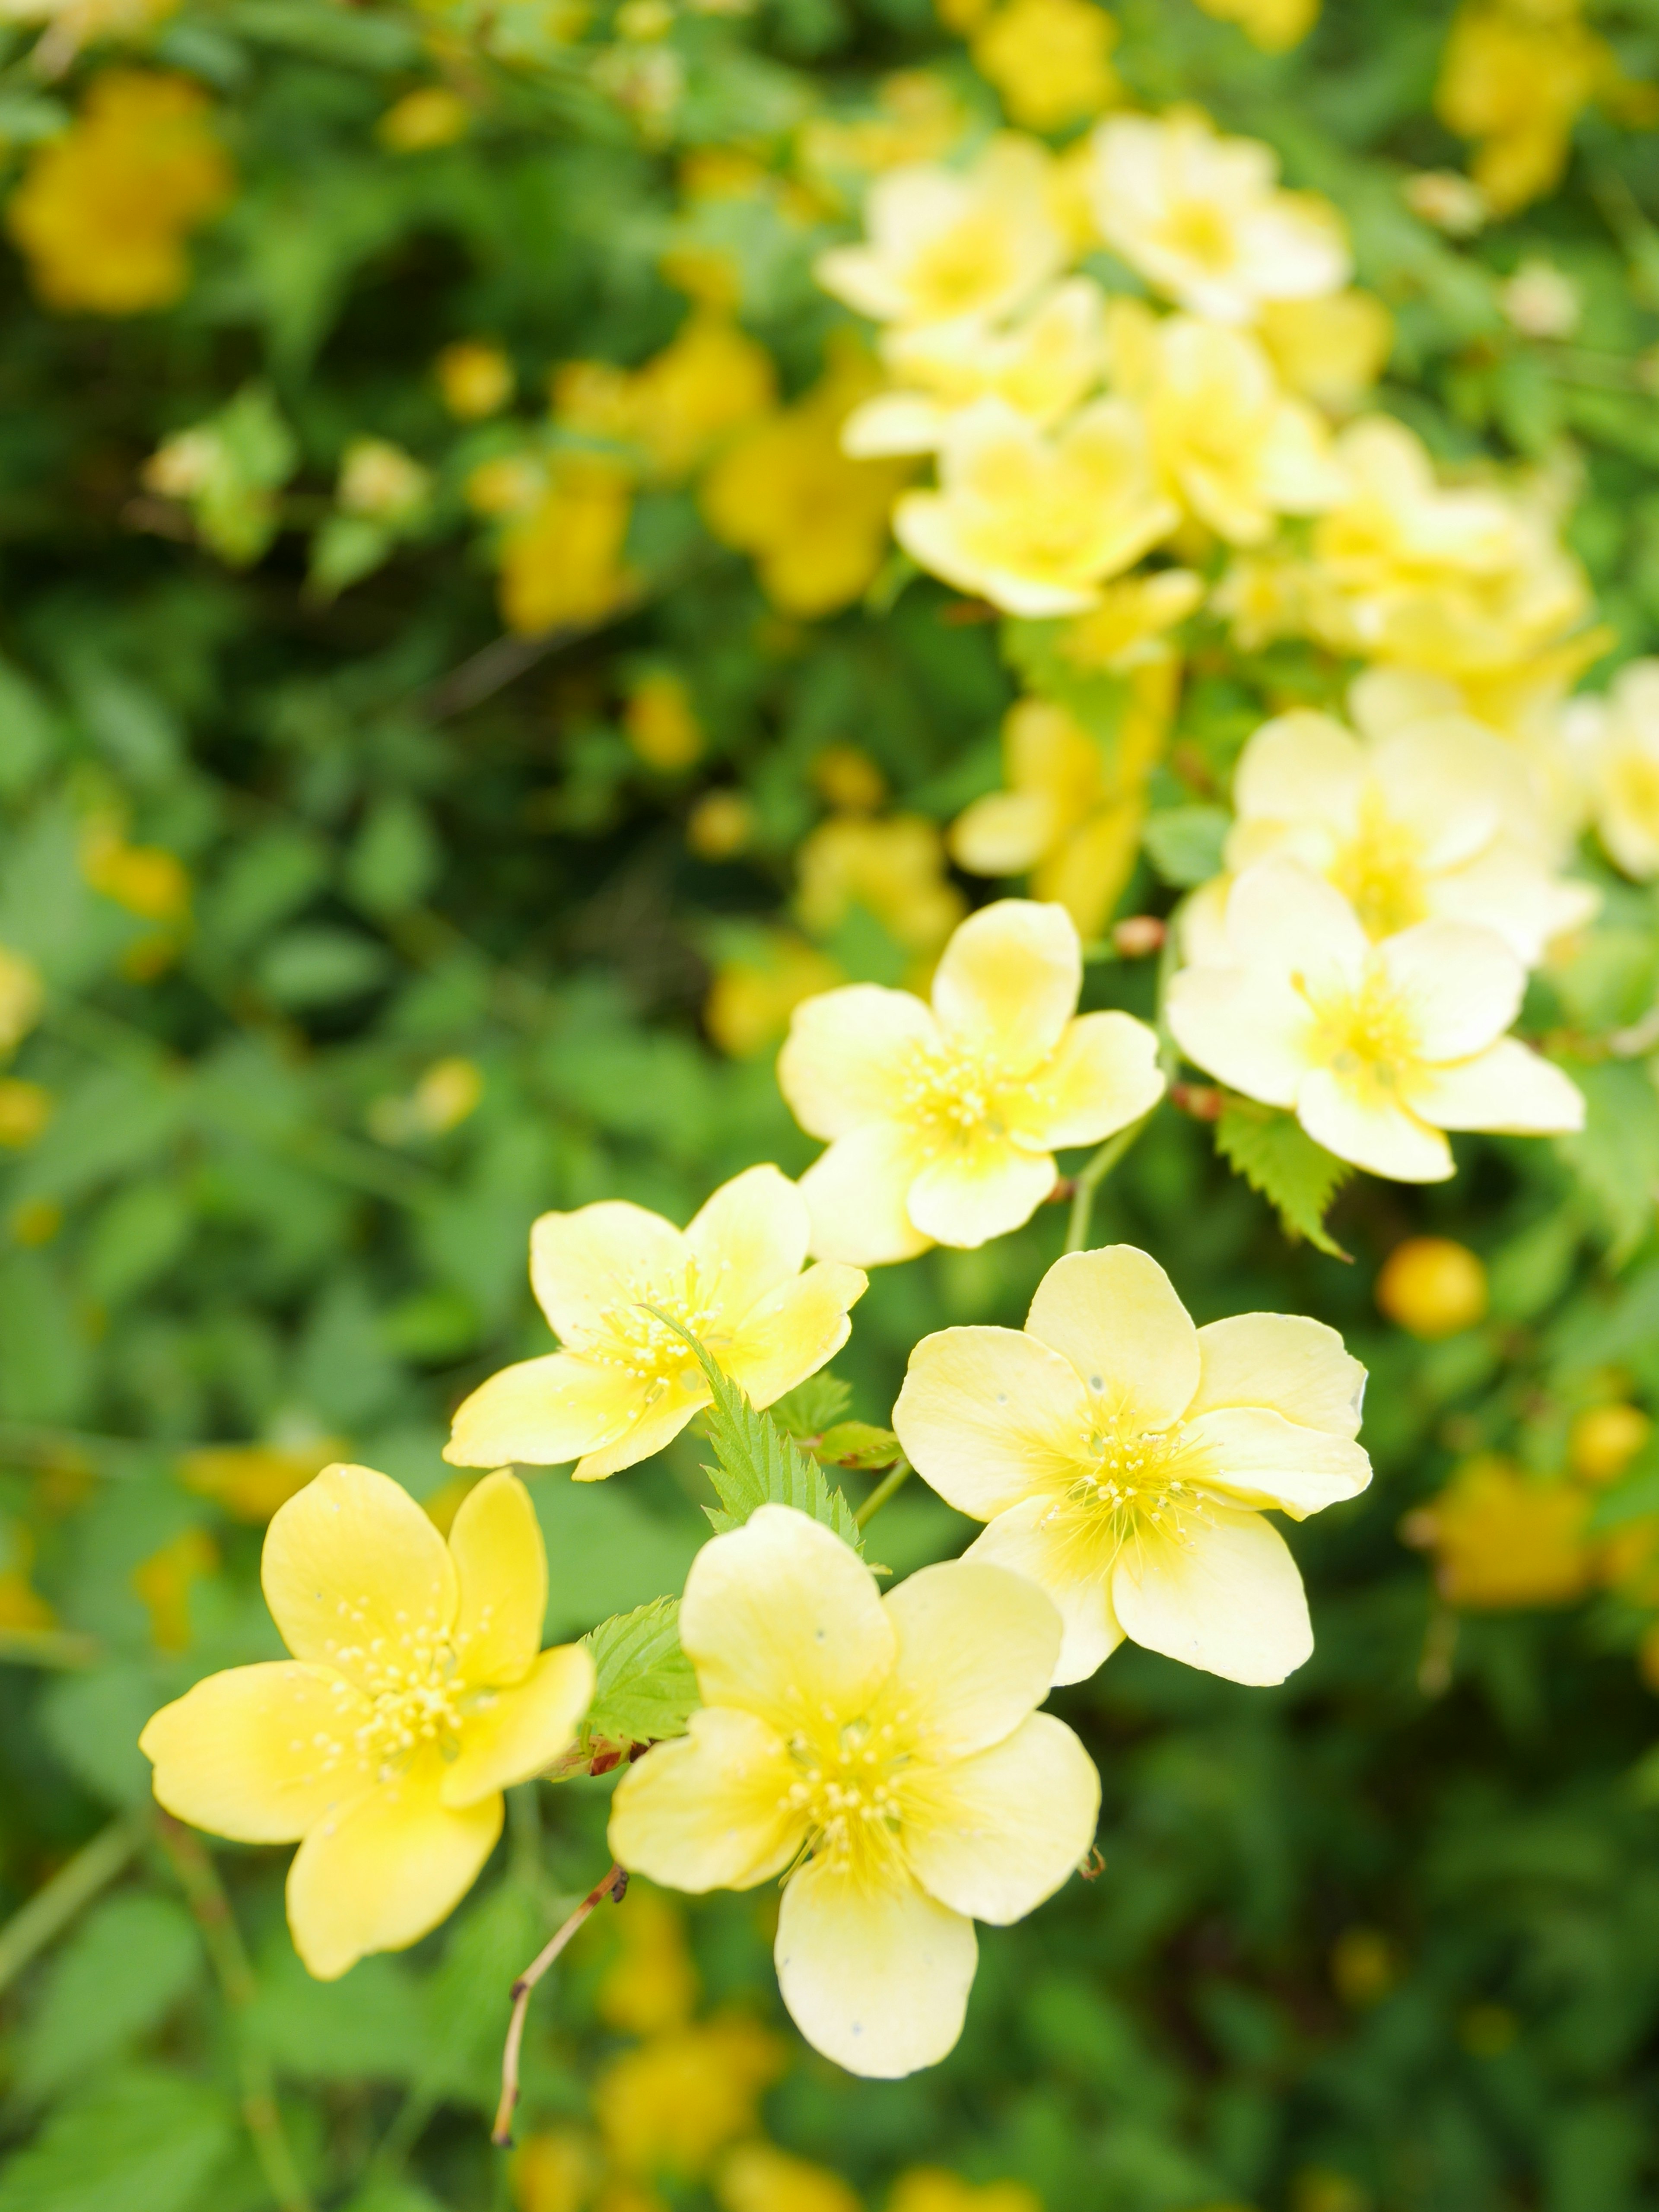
(417, 1694)
(942, 1122)
(625, 1380)
(884, 1755)
(1122, 1458)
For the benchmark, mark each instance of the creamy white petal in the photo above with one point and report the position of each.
(791, 1334)
(1298, 764)
(876, 1979)
(1227, 1598)
(1250, 1030)
(585, 1263)
(749, 1240)
(848, 1056)
(1008, 983)
(1299, 1367)
(1104, 1074)
(981, 1189)
(988, 1416)
(993, 1836)
(1074, 1575)
(1373, 1133)
(858, 1194)
(1264, 1459)
(977, 1651)
(1463, 985)
(1114, 1314)
(711, 1809)
(1508, 1088)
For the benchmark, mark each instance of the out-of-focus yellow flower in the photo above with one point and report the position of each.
(250, 1481)
(675, 2102)
(1433, 1286)
(25, 1110)
(882, 1754)
(146, 879)
(1038, 524)
(21, 1605)
(943, 243)
(1204, 218)
(1227, 443)
(1604, 1439)
(708, 381)
(163, 1580)
(417, 1692)
(918, 118)
(894, 869)
(814, 522)
(660, 722)
(625, 1383)
(381, 481)
(432, 115)
(475, 379)
(930, 2189)
(1050, 61)
(1377, 1048)
(1043, 366)
(754, 993)
(651, 1983)
(1448, 200)
(942, 1121)
(513, 484)
(1275, 26)
(103, 212)
(1616, 739)
(1128, 629)
(1121, 1458)
(721, 824)
(562, 564)
(22, 994)
(1540, 301)
(446, 1094)
(1501, 1537)
(1331, 350)
(850, 780)
(1515, 76)
(553, 2171)
(757, 2177)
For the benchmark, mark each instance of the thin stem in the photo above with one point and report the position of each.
(47, 1647)
(613, 1886)
(895, 1478)
(1090, 1178)
(204, 1893)
(53, 1907)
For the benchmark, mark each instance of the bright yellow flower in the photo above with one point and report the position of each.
(553, 2171)
(652, 1983)
(22, 994)
(146, 880)
(894, 869)
(918, 117)
(1204, 219)
(670, 2105)
(1604, 1439)
(759, 2178)
(25, 1110)
(1227, 443)
(884, 1755)
(162, 1585)
(1331, 350)
(660, 722)
(562, 564)
(1503, 1538)
(417, 1694)
(1515, 77)
(475, 379)
(1123, 1459)
(250, 1481)
(930, 2189)
(1377, 1048)
(1275, 26)
(1617, 740)
(103, 211)
(754, 993)
(623, 1383)
(1433, 1286)
(1042, 366)
(432, 115)
(944, 243)
(1037, 525)
(1050, 61)
(1127, 630)
(708, 381)
(943, 1121)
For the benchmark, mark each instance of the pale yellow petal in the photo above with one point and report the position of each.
(355, 1575)
(1004, 834)
(1300, 763)
(383, 1872)
(656, 1426)
(543, 1412)
(858, 1194)
(848, 1055)
(977, 1651)
(584, 1264)
(981, 1189)
(876, 1979)
(496, 1542)
(1284, 920)
(791, 1334)
(710, 1810)
(1263, 1459)
(1226, 1597)
(1299, 1367)
(1508, 1088)
(1250, 1030)
(1462, 985)
(1114, 1314)
(988, 1416)
(748, 1240)
(781, 1618)
(508, 1735)
(1072, 1570)
(991, 1835)
(258, 1753)
(1103, 1075)
(1007, 982)
(1373, 1133)
(1088, 869)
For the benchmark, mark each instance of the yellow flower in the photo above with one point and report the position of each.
(674, 2102)
(1377, 1048)
(25, 1110)
(146, 880)
(381, 480)
(1504, 1538)
(417, 1694)
(1126, 631)
(652, 1983)
(1227, 443)
(475, 379)
(1433, 1286)
(894, 869)
(1515, 77)
(1035, 524)
(432, 115)
(942, 1122)
(553, 2171)
(1050, 61)
(918, 117)
(705, 384)
(755, 993)
(1204, 219)
(1274, 25)
(1123, 1459)
(884, 1755)
(623, 1382)
(562, 564)
(944, 243)
(103, 211)
(250, 1481)
(930, 2189)
(850, 780)
(721, 824)
(1604, 1439)
(22, 994)
(1617, 738)
(660, 722)
(759, 2178)
(162, 1584)
(1331, 350)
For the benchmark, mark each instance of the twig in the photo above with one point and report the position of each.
(1090, 1178)
(47, 1647)
(613, 1886)
(897, 1474)
(52, 1906)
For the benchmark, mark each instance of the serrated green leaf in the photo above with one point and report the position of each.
(644, 1688)
(1276, 1155)
(858, 1444)
(145, 2141)
(812, 1406)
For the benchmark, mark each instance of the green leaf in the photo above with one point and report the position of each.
(812, 1406)
(369, 2025)
(1184, 842)
(1615, 1156)
(645, 1689)
(146, 2142)
(344, 549)
(858, 1444)
(119, 1975)
(316, 965)
(1275, 1156)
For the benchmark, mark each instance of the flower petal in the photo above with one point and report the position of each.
(1298, 1367)
(1103, 1075)
(858, 1194)
(1300, 764)
(508, 1735)
(1250, 1030)
(1284, 920)
(259, 1753)
(848, 1054)
(977, 1651)
(351, 1562)
(993, 1835)
(1226, 1598)
(582, 1264)
(981, 1189)
(711, 1810)
(988, 1416)
(1072, 1568)
(656, 1425)
(1114, 1314)
(1008, 983)
(384, 1872)
(496, 1544)
(1463, 985)
(1005, 833)
(779, 1618)
(1373, 1133)
(789, 1335)
(876, 1979)
(749, 1240)
(543, 1412)
(1263, 1459)
(1507, 1088)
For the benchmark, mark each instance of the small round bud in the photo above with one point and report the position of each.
(1139, 934)
(1432, 1287)
(1604, 1439)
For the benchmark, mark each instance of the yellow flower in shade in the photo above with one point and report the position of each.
(562, 563)
(553, 2171)
(708, 381)
(1050, 61)
(1503, 1538)
(660, 722)
(755, 991)
(1227, 443)
(930, 2189)
(250, 1481)
(381, 480)
(652, 1983)
(1123, 1460)
(894, 869)
(944, 243)
(884, 1755)
(1516, 76)
(25, 1110)
(943, 1121)
(1275, 26)
(162, 1585)
(1331, 349)
(677, 2100)
(1604, 1439)
(1037, 525)
(1043, 366)
(1204, 219)
(757, 2177)
(1616, 739)
(475, 379)
(22, 995)
(103, 212)
(417, 1694)
(432, 115)
(623, 1383)
(1377, 1048)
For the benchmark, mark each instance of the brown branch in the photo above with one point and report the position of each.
(614, 1885)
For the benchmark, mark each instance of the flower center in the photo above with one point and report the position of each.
(953, 1099)
(417, 1697)
(1380, 873)
(1367, 1037)
(650, 1354)
(1200, 232)
(844, 1786)
(960, 268)
(1138, 1483)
